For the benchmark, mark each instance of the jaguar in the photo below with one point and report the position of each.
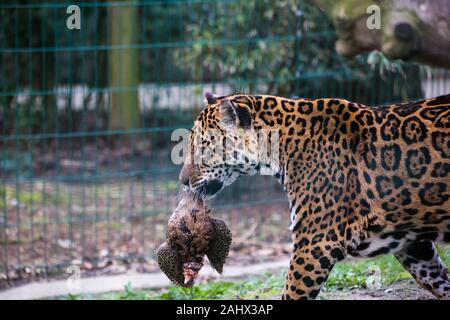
(361, 181)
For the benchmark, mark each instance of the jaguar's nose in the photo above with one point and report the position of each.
(185, 181)
(185, 173)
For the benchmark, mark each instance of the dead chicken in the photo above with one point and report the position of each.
(192, 234)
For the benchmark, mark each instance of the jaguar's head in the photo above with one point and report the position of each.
(223, 145)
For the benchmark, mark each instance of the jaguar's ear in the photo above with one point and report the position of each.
(210, 97)
(233, 115)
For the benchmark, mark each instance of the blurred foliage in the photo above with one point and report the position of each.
(283, 47)
(288, 46)
(266, 41)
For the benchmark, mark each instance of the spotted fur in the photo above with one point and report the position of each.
(361, 181)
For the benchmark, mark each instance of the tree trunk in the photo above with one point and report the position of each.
(123, 68)
(413, 30)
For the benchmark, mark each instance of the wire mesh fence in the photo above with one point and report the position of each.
(86, 116)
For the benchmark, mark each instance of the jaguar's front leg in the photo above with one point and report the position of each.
(309, 268)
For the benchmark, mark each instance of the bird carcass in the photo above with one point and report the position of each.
(192, 234)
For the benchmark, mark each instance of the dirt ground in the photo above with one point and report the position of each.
(400, 290)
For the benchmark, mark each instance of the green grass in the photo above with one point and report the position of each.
(345, 275)
(265, 286)
(349, 274)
